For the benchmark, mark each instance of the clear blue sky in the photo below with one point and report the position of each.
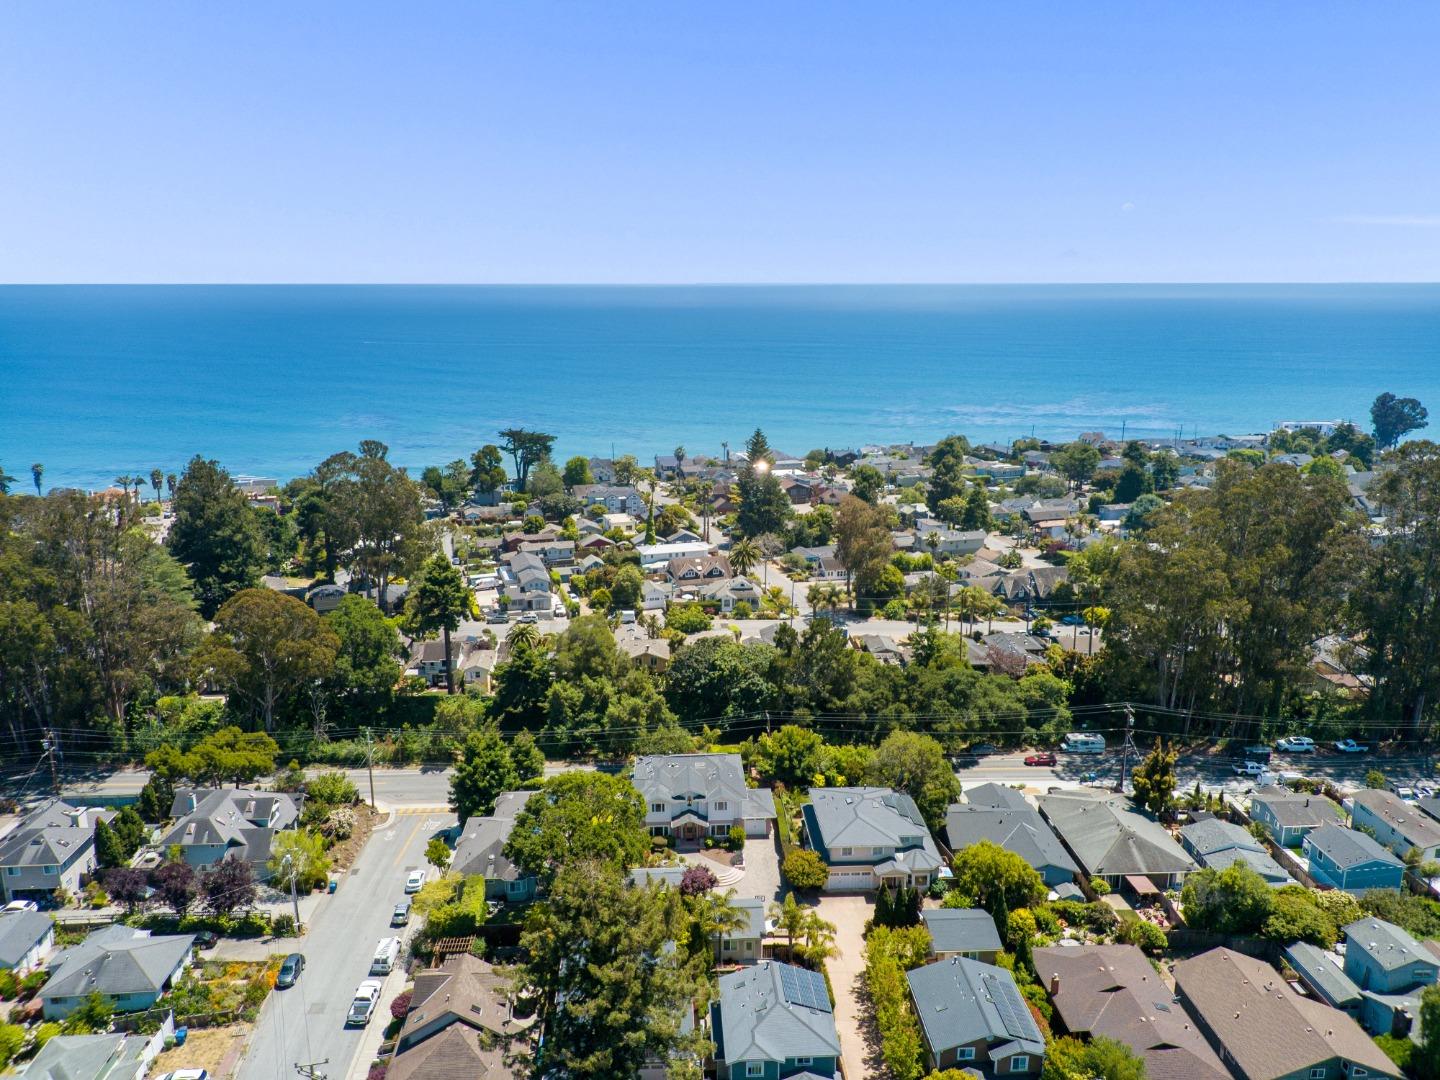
(683, 142)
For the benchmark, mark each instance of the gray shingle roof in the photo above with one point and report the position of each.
(481, 847)
(962, 1001)
(996, 797)
(1390, 946)
(961, 930)
(1218, 844)
(753, 910)
(758, 1023)
(1294, 811)
(1347, 848)
(1321, 974)
(21, 931)
(50, 835)
(90, 1057)
(662, 777)
(1112, 990)
(116, 960)
(1021, 830)
(1110, 836)
(243, 821)
(1418, 828)
(867, 817)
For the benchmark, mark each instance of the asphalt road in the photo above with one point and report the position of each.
(306, 1023)
(1212, 771)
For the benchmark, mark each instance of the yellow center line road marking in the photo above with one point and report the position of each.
(400, 854)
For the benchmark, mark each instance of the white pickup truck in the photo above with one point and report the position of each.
(363, 1005)
(1350, 746)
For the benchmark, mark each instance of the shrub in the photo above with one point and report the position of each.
(1146, 935)
(283, 925)
(737, 838)
(804, 870)
(12, 1038)
(401, 1005)
(9, 986)
(696, 880)
(1099, 886)
(332, 789)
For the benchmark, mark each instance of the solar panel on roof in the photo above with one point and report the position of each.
(805, 988)
(1013, 1013)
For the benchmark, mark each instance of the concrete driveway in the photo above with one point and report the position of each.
(762, 870)
(859, 1049)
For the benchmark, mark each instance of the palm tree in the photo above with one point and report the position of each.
(5, 481)
(819, 938)
(680, 461)
(790, 917)
(170, 482)
(932, 541)
(1095, 618)
(523, 634)
(36, 472)
(157, 477)
(705, 490)
(123, 483)
(744, 554)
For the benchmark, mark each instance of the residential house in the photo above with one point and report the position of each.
(325, 598)
(129, 967)
(742, 945)
(972, 1016)
(621, 523)
(1033, 585)
(525, 581)
(555, 552)
(1217, 844)
(1263, 1029)
(52, 848)
(26, 938)
(655, 595)
(481, 850)
(1289, 817)
(1390, 969)
(771, 1021)
(692, 571)
(617, 499)
(967, 932)
(883, 647)
(814, 555)
(1322, 974)
(427, 660)
(828, 568)
(728, 593)
(870, 837)
(950, 541)
(683, 536)
(798, 489)
(652, 654)
(1397, 824)
(214, 824)
(667, 466)
(1114, 992)
(114, 1056)
(510, 543)
(1003, 816)
(1345, 859)
(691, 796)
(654, 556)
(602, 470)
(1112, 838)
(460, 1024)
(477, 666)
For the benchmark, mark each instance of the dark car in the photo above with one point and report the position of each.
(1046, 758)
(981, 749)
(290, 971)
(206, 939)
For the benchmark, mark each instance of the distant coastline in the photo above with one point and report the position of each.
(272, 379)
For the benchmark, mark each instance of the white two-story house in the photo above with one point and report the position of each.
(691, 796)
(53, 848)
(870, 837)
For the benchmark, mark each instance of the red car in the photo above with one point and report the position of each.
(1046, 758)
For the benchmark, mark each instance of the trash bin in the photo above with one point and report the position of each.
(333, 885)
(180, 1035)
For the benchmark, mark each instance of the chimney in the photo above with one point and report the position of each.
(191, 801)
(1054, 983)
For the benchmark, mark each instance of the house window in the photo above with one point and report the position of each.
(965, 1053)
(722, 806)
(1019, 1063)
(1318, 1073)
(844, 851)
(12, 871)
(804, 1061)
(657, 807)
(52, 869)
(754, 1068)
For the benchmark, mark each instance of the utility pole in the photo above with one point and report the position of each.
(294, 900)
(310, 1069)
(51, 744)
(1128, 747)
(370, 764)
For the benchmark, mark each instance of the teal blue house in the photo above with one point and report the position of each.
(1345, 859)
(773, 1021)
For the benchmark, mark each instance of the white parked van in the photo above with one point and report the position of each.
(386, 953)
(1080, 742)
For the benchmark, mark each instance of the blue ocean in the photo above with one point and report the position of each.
(96, 381)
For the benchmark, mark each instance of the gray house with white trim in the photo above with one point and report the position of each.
(691, 796)
(52, 848)
(972, 1016)
(870, 837)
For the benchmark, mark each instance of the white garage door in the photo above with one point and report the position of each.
(842, 880)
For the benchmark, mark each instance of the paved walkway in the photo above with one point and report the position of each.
(847, 976)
